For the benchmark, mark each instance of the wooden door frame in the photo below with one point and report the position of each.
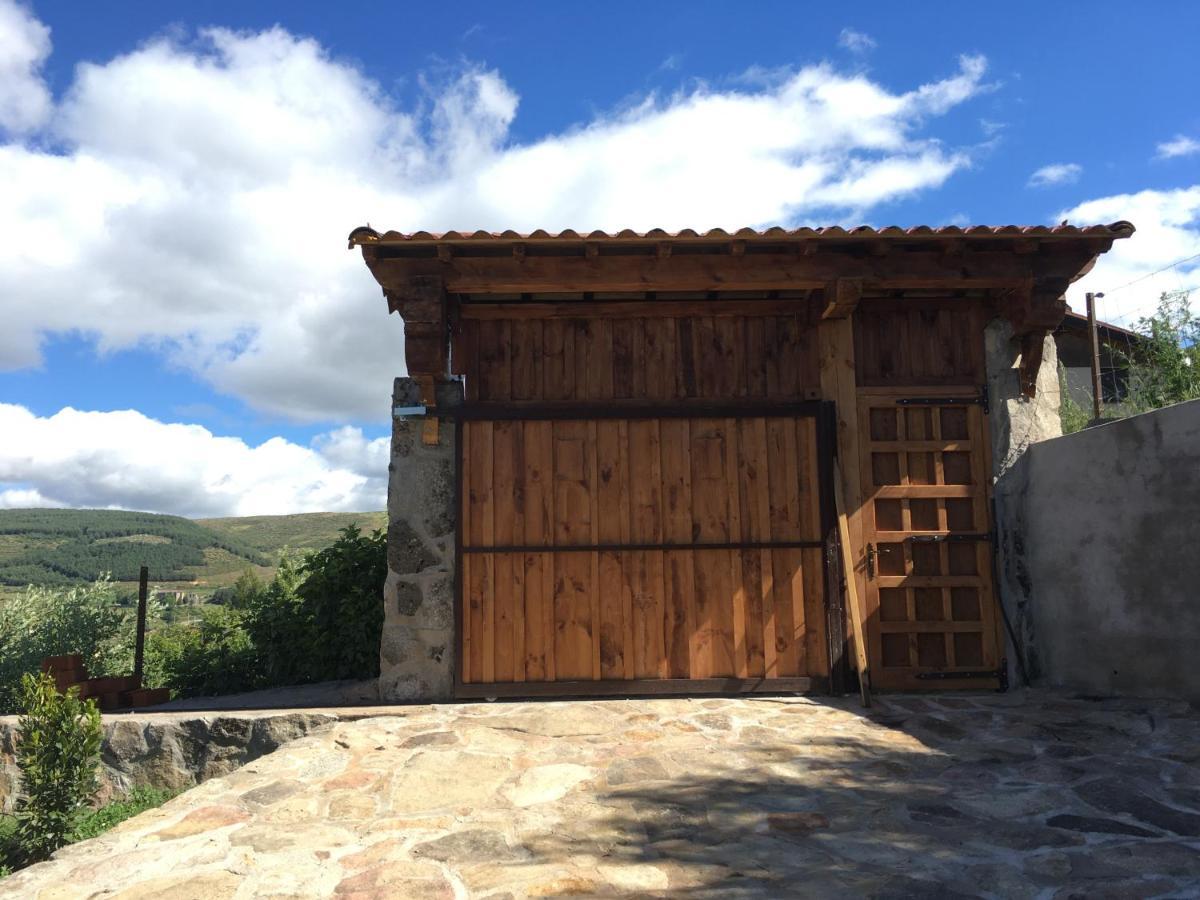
(824, 415)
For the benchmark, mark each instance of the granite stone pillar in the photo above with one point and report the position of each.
(416, 654)
(1016, 423)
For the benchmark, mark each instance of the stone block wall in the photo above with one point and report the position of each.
(416, 654)
(175, 751)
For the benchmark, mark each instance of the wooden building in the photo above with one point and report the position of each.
(654, 428)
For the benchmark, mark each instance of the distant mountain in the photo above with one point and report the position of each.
(68, 546)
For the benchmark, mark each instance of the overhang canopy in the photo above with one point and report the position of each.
(1027, 268)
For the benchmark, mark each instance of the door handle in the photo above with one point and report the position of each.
(871, 561)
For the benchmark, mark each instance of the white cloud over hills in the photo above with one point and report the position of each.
(128, 461)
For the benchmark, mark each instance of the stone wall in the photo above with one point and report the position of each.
(1109, 523)
(1016, 423)
(416, 655)
(171, 750)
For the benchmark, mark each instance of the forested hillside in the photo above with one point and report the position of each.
(69, 546)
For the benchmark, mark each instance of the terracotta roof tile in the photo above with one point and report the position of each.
(367, 235)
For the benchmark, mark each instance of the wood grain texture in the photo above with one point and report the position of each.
(643, 612)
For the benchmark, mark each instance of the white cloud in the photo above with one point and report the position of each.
(126, 460)
(1055, 174)
(1168, 230)
(856, 41)
(24, 45)
(1180, 145)
(199, 193)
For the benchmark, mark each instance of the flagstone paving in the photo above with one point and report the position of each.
(1017, 795)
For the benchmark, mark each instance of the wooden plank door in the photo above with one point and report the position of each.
(658, 552)
(932, 619)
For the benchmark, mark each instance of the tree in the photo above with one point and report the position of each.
(1164, 368)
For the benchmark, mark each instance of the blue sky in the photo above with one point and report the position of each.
(186, 332)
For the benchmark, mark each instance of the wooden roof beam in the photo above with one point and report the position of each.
(841, 298)
(915, 269)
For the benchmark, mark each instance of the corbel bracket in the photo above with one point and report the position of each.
(1034, 311)
(421, 302)
(841, 298)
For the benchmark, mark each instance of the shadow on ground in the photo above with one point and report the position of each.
(962, 797)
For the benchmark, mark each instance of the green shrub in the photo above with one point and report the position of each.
(214, 656)
(9, 850)
(342, 591)
(58, 752)
(140, 799)
(1164, 367)
(54, 621)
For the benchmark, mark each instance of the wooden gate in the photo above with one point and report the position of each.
(654, 550)
(932, 619)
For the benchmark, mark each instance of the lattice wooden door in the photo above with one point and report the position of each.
(932, 620)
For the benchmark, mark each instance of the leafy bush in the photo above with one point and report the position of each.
(58, 752)
(10, 852)
(1164, 368)
(54, 621)
(140, 799)
(1073, 416)
(320, 620)
(212, 657)
(341, 591)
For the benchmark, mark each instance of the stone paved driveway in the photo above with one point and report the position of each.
(1031, 795)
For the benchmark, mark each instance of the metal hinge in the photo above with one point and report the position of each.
(1000, 674)
(981, 400)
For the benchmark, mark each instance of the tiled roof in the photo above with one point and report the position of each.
(1122, 229)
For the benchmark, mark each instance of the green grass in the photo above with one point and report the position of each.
(111, 814)
(303, 531)
(92, 824)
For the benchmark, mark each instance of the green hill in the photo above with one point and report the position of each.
(69, 546)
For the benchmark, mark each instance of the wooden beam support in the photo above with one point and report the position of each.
(835, 341)
(421, 302)
(624, 309)
(910, 269)
(1035, 310)
(841, 298)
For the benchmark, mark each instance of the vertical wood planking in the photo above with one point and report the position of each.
(612, 495)
(650, 623)
(681, 621)
(481, 522)
(504, 589)
(572, 571)
(539, 574)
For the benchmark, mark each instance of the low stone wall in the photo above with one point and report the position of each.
(172, 750)
(1108, 521)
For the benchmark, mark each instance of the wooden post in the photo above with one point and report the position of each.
(856, 610)
(140, 647)
(1094, 340)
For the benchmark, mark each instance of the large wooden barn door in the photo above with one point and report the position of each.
(932, 620)
(640, 552)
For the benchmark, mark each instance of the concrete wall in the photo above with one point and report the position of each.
(1109, 554)
(416, 654)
